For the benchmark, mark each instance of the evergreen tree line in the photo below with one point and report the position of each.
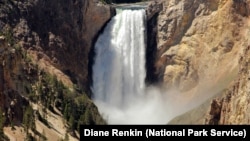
(2, 121)
(76, 107)
(45, 89)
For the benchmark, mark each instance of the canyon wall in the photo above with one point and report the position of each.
(58, 34)
(233, 107)
(200, 45)
(44, 54)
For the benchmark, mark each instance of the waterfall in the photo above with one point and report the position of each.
(119, 71)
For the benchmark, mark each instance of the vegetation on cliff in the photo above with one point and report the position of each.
(25, 79)
(2, 121)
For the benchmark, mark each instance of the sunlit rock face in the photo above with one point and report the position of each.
(199, 47)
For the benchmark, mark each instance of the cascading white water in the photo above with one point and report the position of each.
(119, 69)
(119, 72)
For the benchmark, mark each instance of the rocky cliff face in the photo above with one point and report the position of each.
(58, 34)
(191, 44)
(233, 107)
(44, 51)
(199, 47)
(10, 69)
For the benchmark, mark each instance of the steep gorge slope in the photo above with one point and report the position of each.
(234, 106)
(54, 31)
(44, 51)
(199, 47)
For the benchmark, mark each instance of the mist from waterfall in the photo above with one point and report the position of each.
(119, 73)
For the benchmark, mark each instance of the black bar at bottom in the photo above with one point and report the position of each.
(158, 132)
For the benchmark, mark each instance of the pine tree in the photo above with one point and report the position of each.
(2, 121)
(86, 120)
(72, 123)
(80, 122)
(66, 112)
(28, 119)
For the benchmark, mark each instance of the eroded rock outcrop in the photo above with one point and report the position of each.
(234, 107)
(235, 104)
(200, 45)
(195, 40)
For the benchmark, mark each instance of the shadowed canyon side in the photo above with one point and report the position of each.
(41, 75)
(53, 31)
